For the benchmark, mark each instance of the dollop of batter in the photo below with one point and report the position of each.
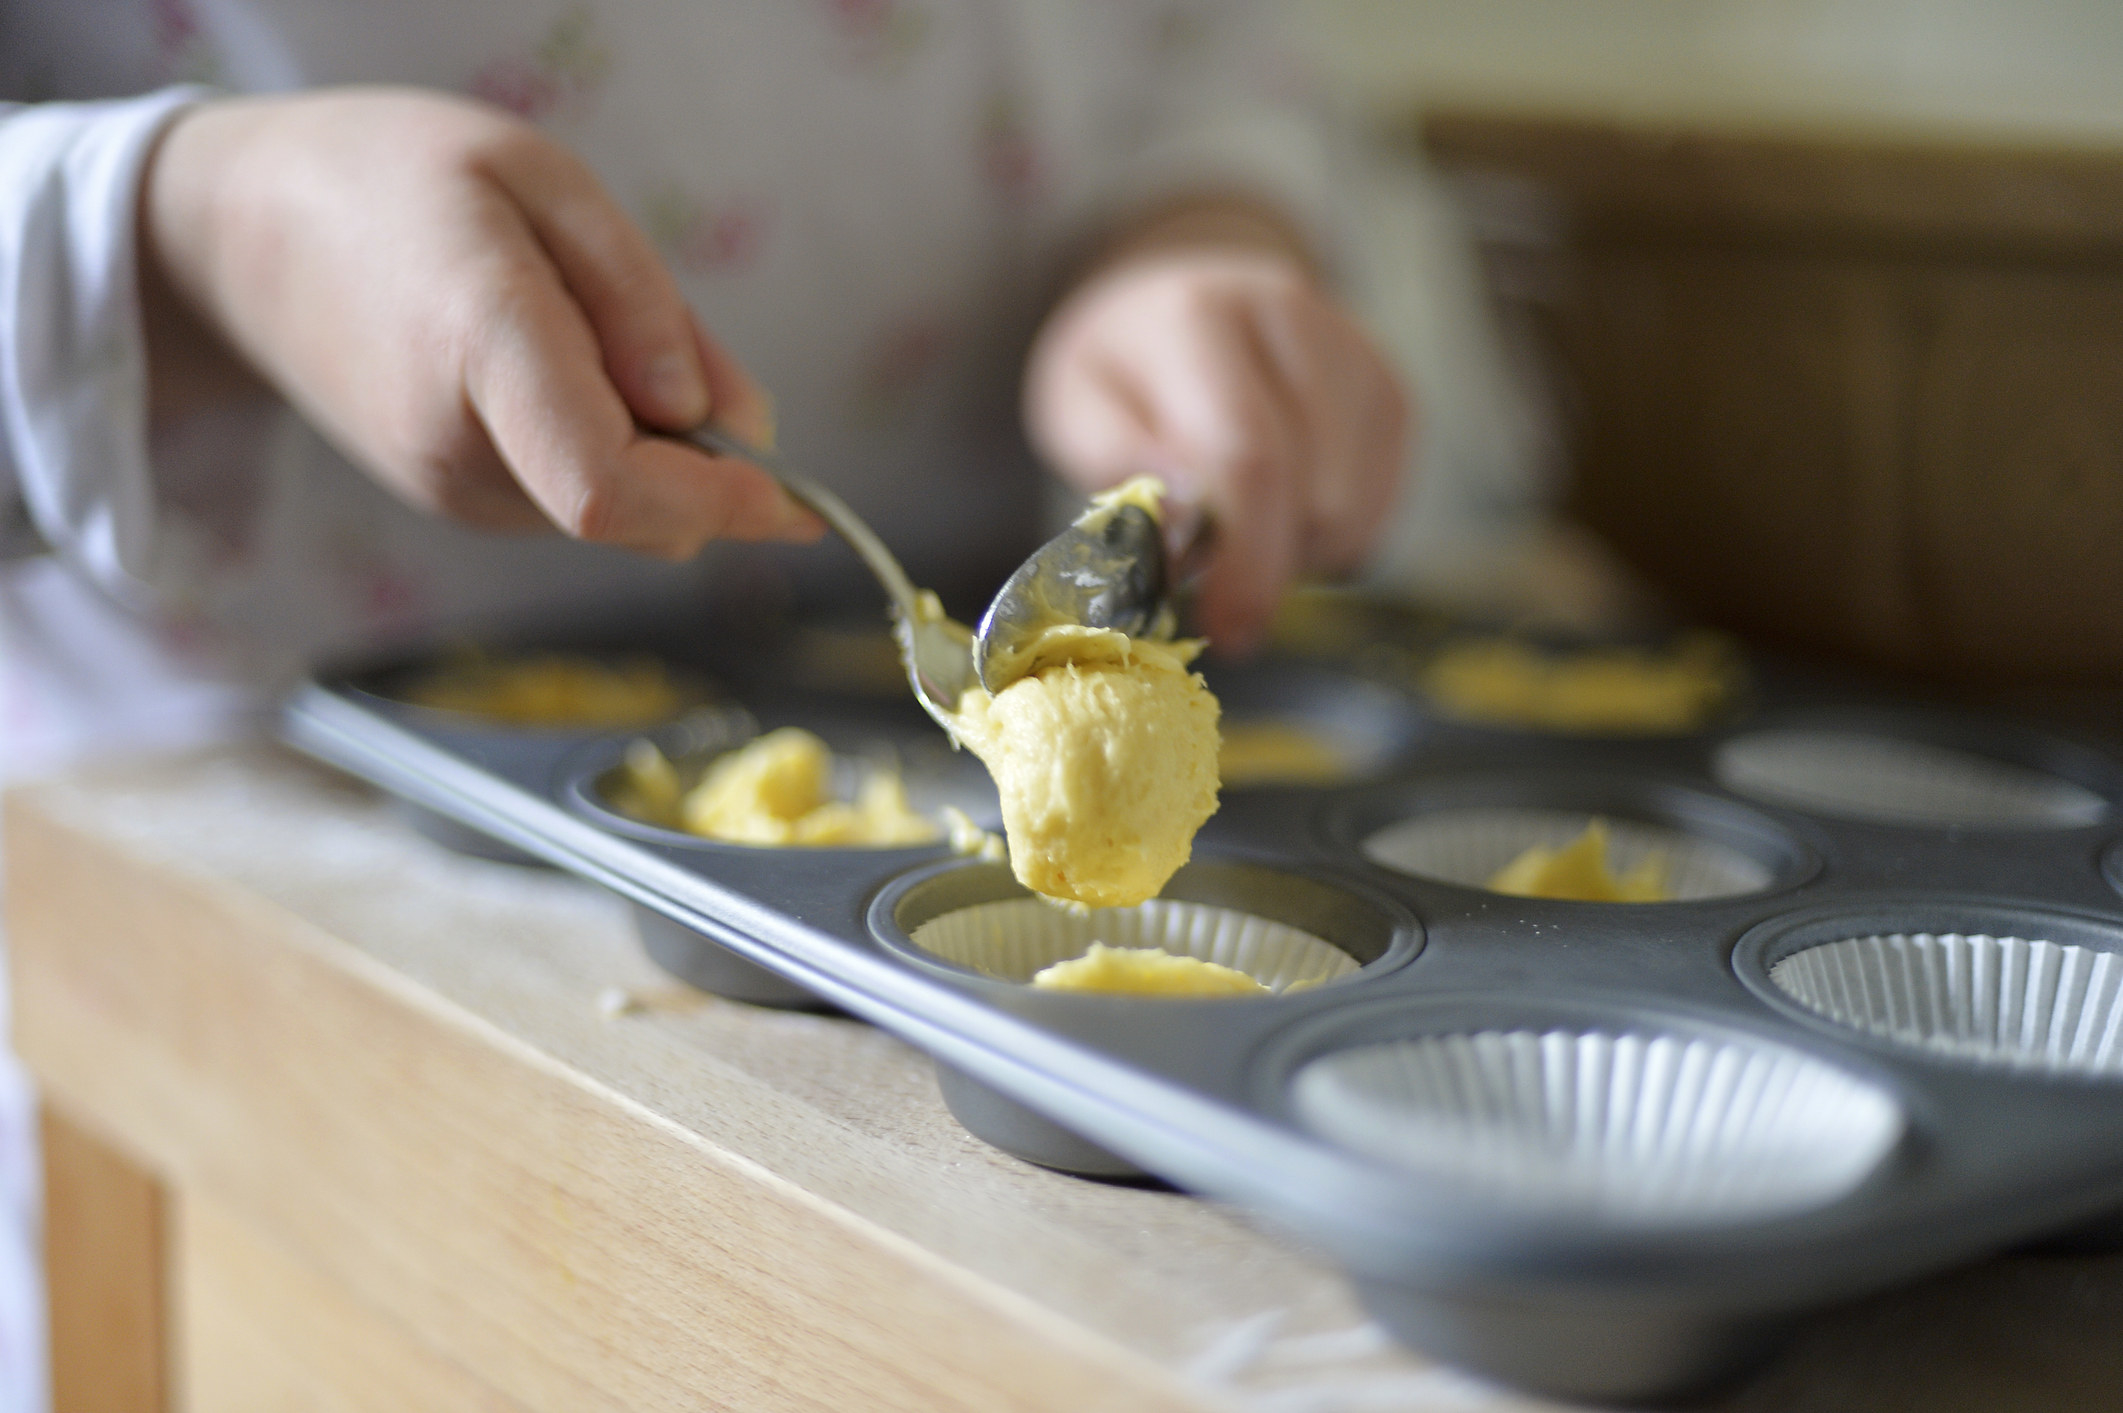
(1579, 872)
(1105, 757)
(553, 690)
(1271, 752)
(966, 837)
(1616, 689)
(1145, 971)
(774, 791)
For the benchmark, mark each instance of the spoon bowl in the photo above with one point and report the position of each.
(1105, 571)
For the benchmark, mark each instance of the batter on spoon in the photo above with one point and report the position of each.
(1104, 753)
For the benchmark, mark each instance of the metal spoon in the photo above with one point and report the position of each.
(936, 650)
(1105, 571)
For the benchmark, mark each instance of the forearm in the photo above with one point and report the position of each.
(190, 365)
(1204, 222)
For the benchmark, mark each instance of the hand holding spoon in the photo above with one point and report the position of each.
(1105, 571)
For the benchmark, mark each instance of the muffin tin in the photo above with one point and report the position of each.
(1599, 1150)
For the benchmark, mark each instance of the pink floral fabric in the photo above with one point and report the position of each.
(868, 200)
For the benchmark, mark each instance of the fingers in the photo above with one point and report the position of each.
(739, 403)
(1092, 418)
(537, 385)
(644, 331)
(575, 367)
(1354, 419)
(477, 489)
(1243, 442)
(1243, 387)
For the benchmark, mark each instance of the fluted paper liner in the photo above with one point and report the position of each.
(1861, 775)
(2003, 1000)
(1017, 937)
(1468, 846)
(1630, 1128)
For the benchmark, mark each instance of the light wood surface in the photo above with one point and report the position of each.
(416, 1166)
(260, 1332)
(104, 1234)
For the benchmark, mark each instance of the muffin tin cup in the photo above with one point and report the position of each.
(1468, 846)
(709, 966)
(587, 778)
(1370, 728)
(699, 699)
(506, 748)
(1627, 1348)
(1556, 1142)
(2020, 989)
(975, 924)
(697, 960)
(1629, 1120)
(1024, 1132)
(1706, 686)
(1463, 831)
(1881, 778)
(1013, 939)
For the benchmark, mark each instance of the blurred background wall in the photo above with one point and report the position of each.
(1822, 299)
(2031, 69)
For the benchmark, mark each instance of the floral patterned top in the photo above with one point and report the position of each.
(870, 201)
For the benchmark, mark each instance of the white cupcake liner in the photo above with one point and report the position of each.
(2002, 1000)
(1468, 846)
(1017, 937)
(1861, 775)
(1633, 1129)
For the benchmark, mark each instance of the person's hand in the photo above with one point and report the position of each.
(1229, 374)
(455, 301)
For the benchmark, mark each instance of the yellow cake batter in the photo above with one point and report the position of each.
(1104, 753)
(1105, 758)
(1506, 682)
(1145, 971)
(968, 838)
(1578, 871)
(1270, 752)
(776, 791)
(554, 690)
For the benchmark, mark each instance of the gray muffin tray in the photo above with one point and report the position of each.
(1605, 1151)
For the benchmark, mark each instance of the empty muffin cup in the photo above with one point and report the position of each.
(1886, 779)
(1630, 1128)
(1469, 845)
(2023, 1002)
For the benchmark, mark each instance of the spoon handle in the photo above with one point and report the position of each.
(829, 507)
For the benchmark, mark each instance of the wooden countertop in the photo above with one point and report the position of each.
(398, 1153)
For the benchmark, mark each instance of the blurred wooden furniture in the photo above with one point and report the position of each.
(344, 1122)
(1856, 397)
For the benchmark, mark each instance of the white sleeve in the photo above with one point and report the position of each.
(1208, 97)
(73, 364)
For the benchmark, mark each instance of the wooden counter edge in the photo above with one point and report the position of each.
(558, 1241)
